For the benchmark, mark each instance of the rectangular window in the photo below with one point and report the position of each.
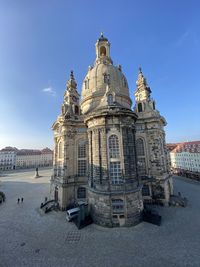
(145, 190)
(82, 150)
(117, 205)
(115, 173)
(81, 193)
(82, 167)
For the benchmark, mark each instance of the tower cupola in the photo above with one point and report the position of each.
(71, 98)
(143, 91)
(144, 102)
(103, 50)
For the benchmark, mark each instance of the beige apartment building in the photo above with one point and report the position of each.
(185, 158)
(8, 158)
(31, 158)
(12, 158)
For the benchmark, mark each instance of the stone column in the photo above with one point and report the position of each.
(104, 159)
(96, 159)
(90, 150)
(65, 157)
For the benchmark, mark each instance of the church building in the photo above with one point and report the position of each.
(107, 154)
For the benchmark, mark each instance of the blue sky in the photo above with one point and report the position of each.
(41, 41)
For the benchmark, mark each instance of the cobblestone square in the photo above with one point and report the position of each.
(28, 237)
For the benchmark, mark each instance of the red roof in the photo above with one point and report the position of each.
(171, 146)
(191, 147)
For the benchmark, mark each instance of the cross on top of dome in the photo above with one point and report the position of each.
(102, 38)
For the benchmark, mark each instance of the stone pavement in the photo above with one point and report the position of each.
(30, 238)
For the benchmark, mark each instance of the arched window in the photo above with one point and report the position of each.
(82, 149)
(124, 82)
(140, 147)
(76, 110)
(141, 162)
(110, 99)
(106, 78)
(85, 82)
(154, 106)
(60, 150)
(115, 164)
(141, 166)
(102, 51)
(81, 192)
(82, 160)
(113, 146)
(140, 107)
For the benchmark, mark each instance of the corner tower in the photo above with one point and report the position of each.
(114, 191)
(152, 158)
(69, 178)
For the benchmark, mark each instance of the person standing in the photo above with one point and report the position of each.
(18, 201)
(22, 199)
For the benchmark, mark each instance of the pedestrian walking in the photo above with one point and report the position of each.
(22, 199)
(18, 201)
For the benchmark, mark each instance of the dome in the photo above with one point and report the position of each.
(104, 80)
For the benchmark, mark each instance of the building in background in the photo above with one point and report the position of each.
(105, 153)
(8, 158)
(31, 158)
(13, 158)
(185, 159)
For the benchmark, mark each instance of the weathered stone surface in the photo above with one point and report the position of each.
(138, 137)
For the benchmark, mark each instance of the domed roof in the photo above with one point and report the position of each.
(102, 38)
(104, 79)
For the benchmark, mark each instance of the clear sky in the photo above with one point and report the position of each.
(41, 41)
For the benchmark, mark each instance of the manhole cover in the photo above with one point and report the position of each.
(73, 237)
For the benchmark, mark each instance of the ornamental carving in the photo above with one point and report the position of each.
(71, 133)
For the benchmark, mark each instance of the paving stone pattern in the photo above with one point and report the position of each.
(28, 237)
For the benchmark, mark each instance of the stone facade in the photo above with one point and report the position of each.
(185, 159)
(12, 158)
(106, 153)
(153, 161)
(70, 137)
(8, 158)
(114, 191)
(32, 158)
